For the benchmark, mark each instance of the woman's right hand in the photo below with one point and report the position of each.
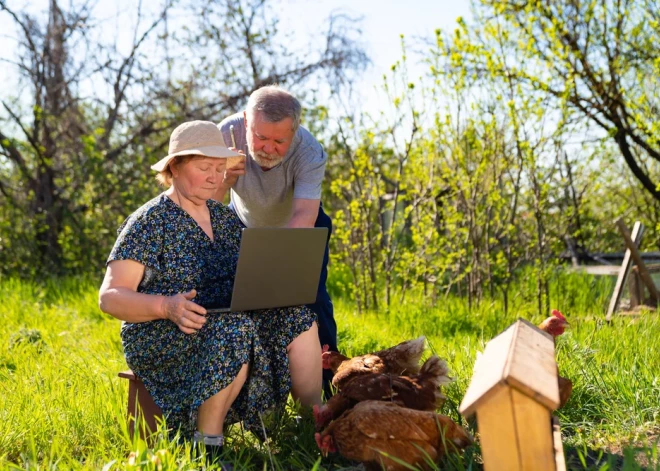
(189, 316)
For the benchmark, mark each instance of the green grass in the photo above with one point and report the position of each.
(62, 405)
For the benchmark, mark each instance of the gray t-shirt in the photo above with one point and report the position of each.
(265, 199)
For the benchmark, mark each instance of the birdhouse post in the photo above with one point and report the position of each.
(513, 393)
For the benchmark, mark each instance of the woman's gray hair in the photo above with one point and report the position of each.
(276, 104)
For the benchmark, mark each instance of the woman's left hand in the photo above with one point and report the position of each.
(180, 309)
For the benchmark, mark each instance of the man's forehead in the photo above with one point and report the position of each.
(257, 122)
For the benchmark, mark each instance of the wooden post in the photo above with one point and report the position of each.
(513, 391)
(560, 461)
(635, 289)
(638, 229)
(643, 272)
(570, 243)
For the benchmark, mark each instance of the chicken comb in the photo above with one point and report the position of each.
(558, 314)
(326, 348)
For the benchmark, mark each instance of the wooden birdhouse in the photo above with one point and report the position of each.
(513, 393)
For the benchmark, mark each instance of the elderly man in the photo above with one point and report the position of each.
(279, 184)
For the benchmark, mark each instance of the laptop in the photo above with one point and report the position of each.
(277, 267)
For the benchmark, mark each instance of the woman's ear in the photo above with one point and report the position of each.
(174, 167)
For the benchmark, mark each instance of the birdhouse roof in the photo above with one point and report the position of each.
(521, 357)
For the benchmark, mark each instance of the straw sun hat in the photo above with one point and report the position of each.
(195, 138)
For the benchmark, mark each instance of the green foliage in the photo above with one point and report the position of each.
(481, 169)
(75, 164)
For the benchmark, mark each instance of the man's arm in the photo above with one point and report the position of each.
(221, 193)
(304, 213)
(229, 179)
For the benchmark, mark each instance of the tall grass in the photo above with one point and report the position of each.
(63, 406)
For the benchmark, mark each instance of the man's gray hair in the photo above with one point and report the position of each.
(276, 104)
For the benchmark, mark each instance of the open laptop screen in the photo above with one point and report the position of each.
(277, 267)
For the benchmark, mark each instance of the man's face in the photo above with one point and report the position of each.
(267, 142)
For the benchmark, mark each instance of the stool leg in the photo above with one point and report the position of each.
(149, 409)
(132, 396)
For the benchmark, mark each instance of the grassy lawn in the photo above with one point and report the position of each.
(63, 406)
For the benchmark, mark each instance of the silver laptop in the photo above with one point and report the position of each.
(277, 267)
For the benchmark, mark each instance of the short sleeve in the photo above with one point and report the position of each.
(140, 239)
(237, 121)
(309, 173)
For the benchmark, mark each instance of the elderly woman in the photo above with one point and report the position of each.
(176, 254)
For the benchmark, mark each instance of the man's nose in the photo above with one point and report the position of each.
(268, 148)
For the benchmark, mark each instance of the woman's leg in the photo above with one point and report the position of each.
(212, 412)
(306, 369)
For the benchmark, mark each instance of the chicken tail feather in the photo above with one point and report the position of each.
(406, 354)
(435, 372)
(435, 369)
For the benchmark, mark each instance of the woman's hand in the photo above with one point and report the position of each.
(189, 316)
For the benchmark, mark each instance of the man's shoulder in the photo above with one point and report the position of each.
(309, 149)
(305, 136)
(235, 119)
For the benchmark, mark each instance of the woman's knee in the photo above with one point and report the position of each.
(307, 341)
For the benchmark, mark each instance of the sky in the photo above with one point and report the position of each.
(382, 24)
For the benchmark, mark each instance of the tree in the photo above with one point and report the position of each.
(596, 58)
(75, 149)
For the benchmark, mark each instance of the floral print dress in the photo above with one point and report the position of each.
(180, 370)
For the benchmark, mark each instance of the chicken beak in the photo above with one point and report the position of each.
(324, 451)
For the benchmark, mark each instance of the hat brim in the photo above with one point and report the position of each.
(214, 152)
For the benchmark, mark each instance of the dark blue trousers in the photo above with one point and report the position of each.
(323, 305)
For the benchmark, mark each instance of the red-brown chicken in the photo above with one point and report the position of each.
(400, 359)
(374, 431)
(565, 390)
(555, 325)
(420, 391)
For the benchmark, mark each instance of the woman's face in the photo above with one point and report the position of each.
(198, 179)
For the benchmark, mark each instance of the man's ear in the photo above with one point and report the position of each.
(245, 118)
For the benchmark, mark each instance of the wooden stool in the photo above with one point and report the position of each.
(137, 393)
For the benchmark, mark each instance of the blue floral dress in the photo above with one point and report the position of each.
(180, 370)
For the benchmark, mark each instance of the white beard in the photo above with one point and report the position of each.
(265, 160)
(262, 158)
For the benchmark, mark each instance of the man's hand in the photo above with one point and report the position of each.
(188, 315)
(230, 176)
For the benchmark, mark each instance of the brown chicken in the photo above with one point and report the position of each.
(565, 390)
(400, 359)
(374, 431)
(420, 391)
(555, 325)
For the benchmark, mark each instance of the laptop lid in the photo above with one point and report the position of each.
(278, 267)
